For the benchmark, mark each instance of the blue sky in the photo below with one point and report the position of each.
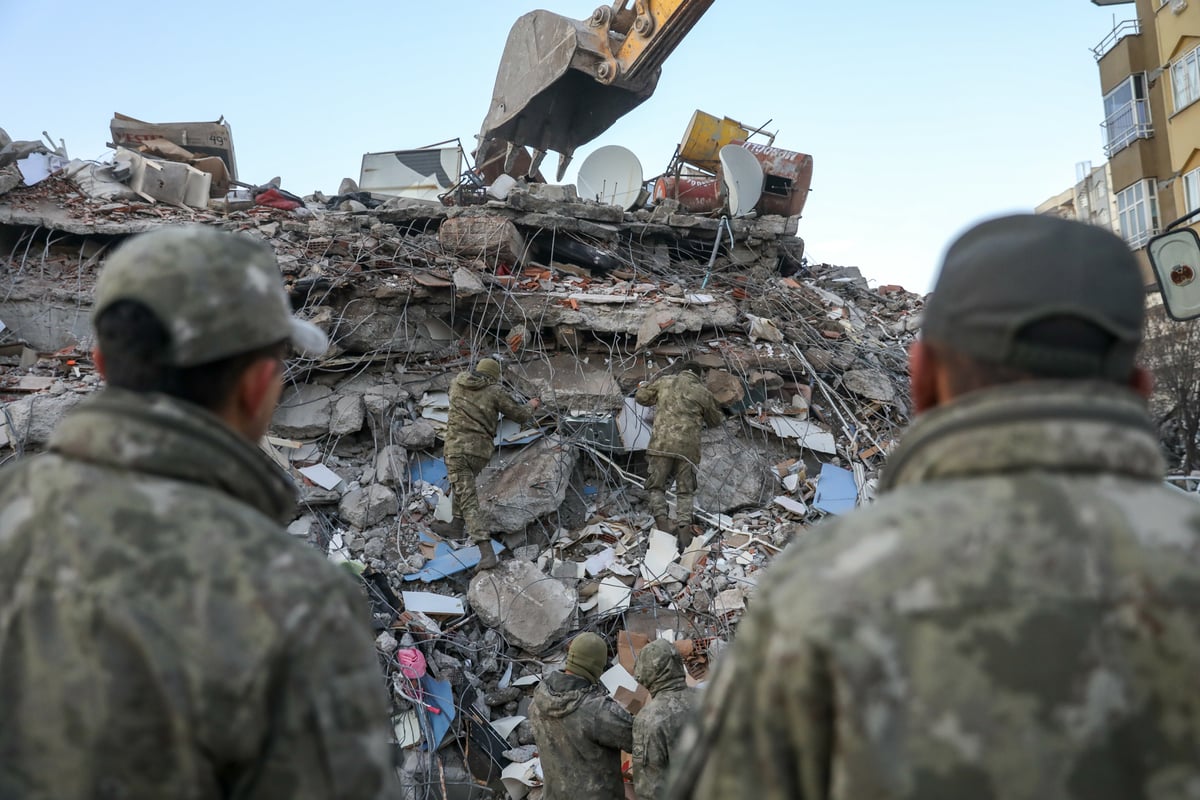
(922, 117)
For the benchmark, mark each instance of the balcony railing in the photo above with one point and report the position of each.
(1129, 27)
(1125, 125)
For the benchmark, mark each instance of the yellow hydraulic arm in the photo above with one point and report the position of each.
(563, 82)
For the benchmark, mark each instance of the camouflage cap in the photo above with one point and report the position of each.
(1006, 274)
(217, 293)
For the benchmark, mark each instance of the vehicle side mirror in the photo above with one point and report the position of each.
(1175, 258)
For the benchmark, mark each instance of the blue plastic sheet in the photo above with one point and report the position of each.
(440, 695)
(447, 561)
(837, 492)
(431, 470)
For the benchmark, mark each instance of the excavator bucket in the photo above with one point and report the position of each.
(563, 82)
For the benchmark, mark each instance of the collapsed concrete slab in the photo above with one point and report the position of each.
(564, 381)
(530, 608)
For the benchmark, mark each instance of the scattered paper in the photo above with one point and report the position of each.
(600, 561)
(612, 596)
(695, 550)
(321, 475)
(408, 729)
(616, 677)
(702, 299)
(795, 506)
(519, 778)
(433, 604)
(662, 550)
(506, 725)
(528, 680)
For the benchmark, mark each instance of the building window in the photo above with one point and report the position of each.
(1126, 114)
(1191, 190)
(1185, 79)
(1138, 209)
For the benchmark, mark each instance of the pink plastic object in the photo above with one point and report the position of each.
(412, 662)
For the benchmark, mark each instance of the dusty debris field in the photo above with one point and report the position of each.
(582, 301)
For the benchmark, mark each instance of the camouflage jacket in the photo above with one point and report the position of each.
(656, 727)
(476, 403)
(160, 633)
(685, 406)
(1017, 618)
(580, 732)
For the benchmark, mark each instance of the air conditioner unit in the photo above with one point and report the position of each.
(1177, 6)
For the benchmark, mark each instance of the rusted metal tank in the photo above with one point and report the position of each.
(696, 193)
(787, 179)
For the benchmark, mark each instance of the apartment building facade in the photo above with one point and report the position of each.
(1150, 81)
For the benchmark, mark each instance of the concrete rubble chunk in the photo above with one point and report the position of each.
(871, 384)
(304, 411)
(530, 608)
(467, 283)
(732, 475)
(521, 486)
(418, 435)
(365, 507)
(31, 420)
(391, 466)
(347, 415)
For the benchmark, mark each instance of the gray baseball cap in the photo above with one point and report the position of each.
(219, 294)
(1006, 274)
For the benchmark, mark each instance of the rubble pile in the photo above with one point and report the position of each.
(582, 302)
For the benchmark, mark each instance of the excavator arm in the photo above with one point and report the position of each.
(563, 82)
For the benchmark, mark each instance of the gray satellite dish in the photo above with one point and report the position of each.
(742, 176)
(612, 175)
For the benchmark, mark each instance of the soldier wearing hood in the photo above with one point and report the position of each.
(685, 406)
(656, 728)
(476, 404)
(580, 731)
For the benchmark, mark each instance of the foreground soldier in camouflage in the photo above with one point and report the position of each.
(656, 727)
(580, 731)
(1018, 616)
(476, 404)
(685, 406)
(160, 633)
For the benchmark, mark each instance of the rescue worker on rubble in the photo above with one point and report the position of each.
(476, 404)
(656, 727)
(685, 406)
(160, 633)
(579, 730)
(1018, 616)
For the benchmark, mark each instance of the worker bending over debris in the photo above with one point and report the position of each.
(160, 633)
(685, 406)
(656, 727)
(1018, 616)
(476, 404)
(580, 731)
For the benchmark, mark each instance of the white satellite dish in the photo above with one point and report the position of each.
(612, 175)
(742, 177)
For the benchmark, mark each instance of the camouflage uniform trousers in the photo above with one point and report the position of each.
(659, 471)
(462, 469)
